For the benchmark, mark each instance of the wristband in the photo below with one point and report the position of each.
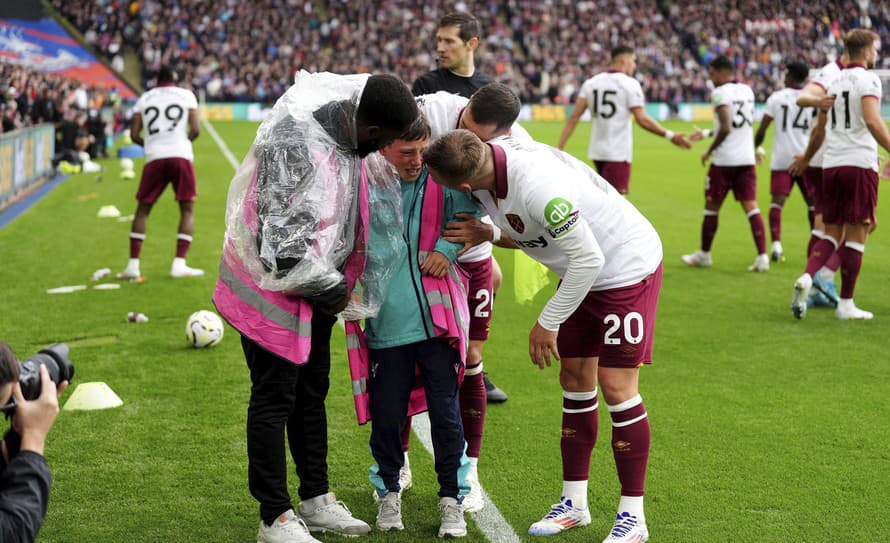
(669, 135)
(495, 233)
(707, 133)
(760, 151)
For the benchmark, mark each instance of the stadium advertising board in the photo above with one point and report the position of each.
(45, 46)
(25, 158)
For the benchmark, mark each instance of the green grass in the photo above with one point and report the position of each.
(764, 428)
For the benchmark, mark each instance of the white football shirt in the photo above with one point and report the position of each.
(792, 126)
(738, 147)
(165, 122)
(824, 78)
(848, 142)
(610, 98)
(443, 110)
(567, 217)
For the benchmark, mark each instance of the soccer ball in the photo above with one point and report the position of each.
(203, 329)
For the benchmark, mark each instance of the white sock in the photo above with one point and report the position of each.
(474, 468)
(634, 506)
(133, 264)
(577, 492)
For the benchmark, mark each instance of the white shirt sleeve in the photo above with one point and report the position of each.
(635, 96)
(586, 260)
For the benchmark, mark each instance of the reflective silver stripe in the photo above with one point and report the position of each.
(268, 309)
(434, 297)
(421, 255)
(352, 342)
(359, 387)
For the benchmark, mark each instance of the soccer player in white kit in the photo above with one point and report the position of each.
(613, 97)
(601, 320)
(793, 124)
(850, 173)
(809, 165)
(169, 116)
(732, 162)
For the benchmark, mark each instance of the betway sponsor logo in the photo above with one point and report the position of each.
(564, 227)
(539, 243)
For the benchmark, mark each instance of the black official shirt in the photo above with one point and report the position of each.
(24, 495)
(443, 79)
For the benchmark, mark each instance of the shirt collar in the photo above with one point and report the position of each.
(854, 65)
(500, 170)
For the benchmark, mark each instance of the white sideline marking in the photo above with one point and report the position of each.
(490, 521)
(220, 143)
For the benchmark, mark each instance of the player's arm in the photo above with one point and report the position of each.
(136, 129)
(419, 88)
(723, 128)
(572, 121)
(817, 137)
(871, 114)
(814, 95)
(761, 130)
(651, 125)
(194, 124)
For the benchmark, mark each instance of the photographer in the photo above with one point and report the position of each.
(24, 476)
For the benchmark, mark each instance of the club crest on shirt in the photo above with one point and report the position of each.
(515, 222)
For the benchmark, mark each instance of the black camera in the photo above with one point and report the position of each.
(55, 358)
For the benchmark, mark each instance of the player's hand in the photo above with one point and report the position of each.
(705, 158)
(826, 102)
(469, 230)
(680, 141)
(797, 166)
(697, 135)
(885, 171)
(541, 344)
(759, 153)
(435, 264)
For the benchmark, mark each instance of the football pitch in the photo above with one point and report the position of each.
(765, 428)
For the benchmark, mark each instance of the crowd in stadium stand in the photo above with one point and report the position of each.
(28, 98)
(247, 51)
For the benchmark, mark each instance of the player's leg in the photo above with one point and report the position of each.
(580, 421)
(832, 203)
(859, 215)
(617, 174)
(630, 313)
(851, 253)
(780, 188)
(151, 185)
(183, 176)
(716, 189)
(744, 187)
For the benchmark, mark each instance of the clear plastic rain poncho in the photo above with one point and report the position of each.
(295, 201)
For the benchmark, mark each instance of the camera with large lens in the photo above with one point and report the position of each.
(55, 358)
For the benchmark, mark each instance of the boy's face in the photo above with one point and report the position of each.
(406, 156)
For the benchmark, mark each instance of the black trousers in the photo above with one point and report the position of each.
(285, 397)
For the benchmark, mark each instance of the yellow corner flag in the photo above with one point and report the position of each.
(529, 277)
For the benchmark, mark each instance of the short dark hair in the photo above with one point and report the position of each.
(798, 71)
(621, 50)
(468, 26)
(494, 104)
(9, 365)
(166, 75)
(722, 62)
(456, 156)
(387, 102)
(419, 130)
(858, 40)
